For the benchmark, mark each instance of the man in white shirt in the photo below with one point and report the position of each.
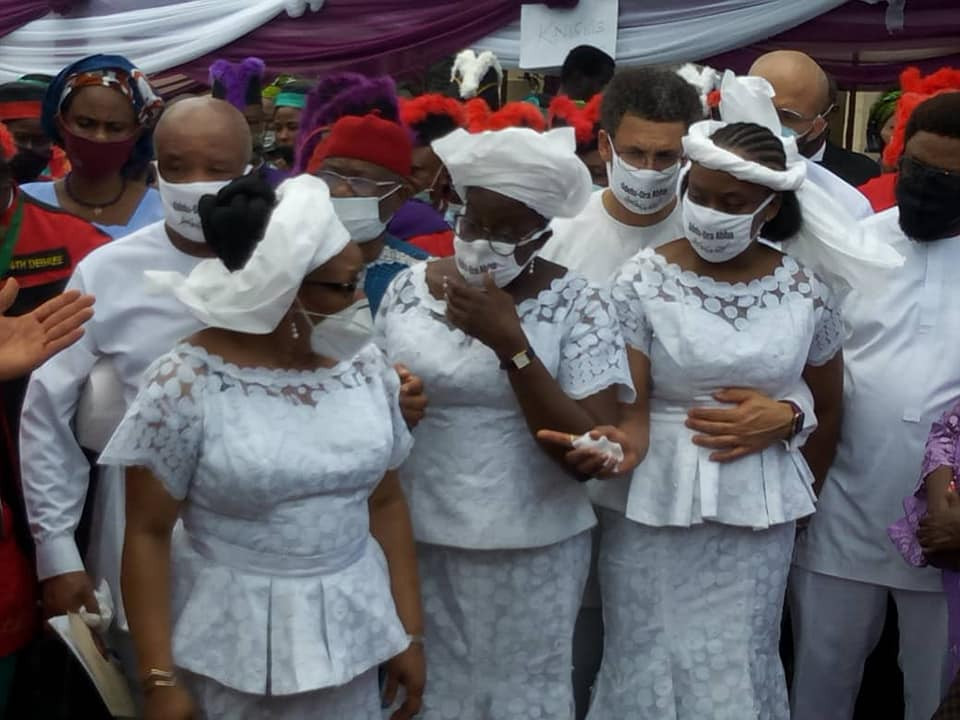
(804, 101)
(645, 114)
(201, 143)
(902, 374)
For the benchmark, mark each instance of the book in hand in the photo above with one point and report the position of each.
(104, 674)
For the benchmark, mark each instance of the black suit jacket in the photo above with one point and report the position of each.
(853, 167)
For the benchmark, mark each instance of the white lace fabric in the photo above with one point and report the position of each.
(701, 336)
(275, 565)
(477, 479)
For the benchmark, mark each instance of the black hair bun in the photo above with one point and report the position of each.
(235, 219)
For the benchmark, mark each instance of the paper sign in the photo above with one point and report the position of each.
(547, 35)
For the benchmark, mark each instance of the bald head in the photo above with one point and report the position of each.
(201, 138)
(799, 83)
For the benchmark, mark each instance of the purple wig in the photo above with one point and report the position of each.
(338, 95)
(238, 83)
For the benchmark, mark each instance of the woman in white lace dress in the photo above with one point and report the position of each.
(695, 553)
(274, 436)
(506, 344)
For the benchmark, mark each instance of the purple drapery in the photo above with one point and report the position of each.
(853, 44)
(371, 36)
(16, 13)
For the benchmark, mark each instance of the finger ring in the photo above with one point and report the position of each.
(573, 439)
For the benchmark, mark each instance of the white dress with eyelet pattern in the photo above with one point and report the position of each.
(279, 591)
(502, 529)
(694, 554)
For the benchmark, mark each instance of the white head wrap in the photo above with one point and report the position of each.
(541, 170)
(303, 233)
(830, 241)
(470, 69)
(698, 146)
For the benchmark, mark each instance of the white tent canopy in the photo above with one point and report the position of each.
(160, 36)
(676, 31)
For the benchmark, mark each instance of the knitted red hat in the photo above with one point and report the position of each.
(368, 138)
(916, 88)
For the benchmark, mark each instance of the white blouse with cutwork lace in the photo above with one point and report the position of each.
(477, 478)
(701, 336)
(278, 585)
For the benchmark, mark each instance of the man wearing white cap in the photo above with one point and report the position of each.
(507, 344)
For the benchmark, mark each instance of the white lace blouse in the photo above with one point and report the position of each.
(278, 586)
(701, 336)
(477, 478)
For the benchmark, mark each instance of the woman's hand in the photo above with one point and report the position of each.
(754, 423)
(591, 461)
(488, 314)
(169, 703)
(413, 399)
(940, 532)
(409, 669)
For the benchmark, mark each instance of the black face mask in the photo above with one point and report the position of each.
(929, 201)
(27, 165)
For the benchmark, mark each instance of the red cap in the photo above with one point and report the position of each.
(368, 138)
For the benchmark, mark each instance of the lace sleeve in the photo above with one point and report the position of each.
(593, 356)
(162, 429)
(402, 439)
(629, 291)
(828, 328)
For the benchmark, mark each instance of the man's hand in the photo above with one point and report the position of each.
(28, 340)
(68, 593)
(754, 423)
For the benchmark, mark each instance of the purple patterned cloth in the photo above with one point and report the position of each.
(942, 450)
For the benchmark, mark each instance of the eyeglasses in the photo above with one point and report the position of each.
(912, 166)
(359, 186)
(794, 116)
(467, 229)
(346, 288)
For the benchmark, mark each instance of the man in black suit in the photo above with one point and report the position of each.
(805, 98)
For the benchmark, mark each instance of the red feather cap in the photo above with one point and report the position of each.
(477, 113)
(7, 146)
(415, 110)
(916, 89)
(517, 114)
(585, 120)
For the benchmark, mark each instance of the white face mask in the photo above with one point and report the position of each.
(718, 236)
(641, 191)
(180, 205)
(476, 258)
(343, 334)
(450, 216)
(360, 216)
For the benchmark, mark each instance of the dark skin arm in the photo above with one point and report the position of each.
(826, 384)
(390, 525)
(632, 432)
(489, 314)
(145, 579)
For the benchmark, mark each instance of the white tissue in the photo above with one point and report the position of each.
(100, 622)
(613, 451)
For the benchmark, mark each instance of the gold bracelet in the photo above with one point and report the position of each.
(156, 678)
